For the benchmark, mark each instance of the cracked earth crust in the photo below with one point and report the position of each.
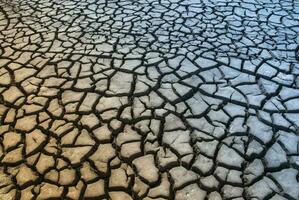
(169, 99)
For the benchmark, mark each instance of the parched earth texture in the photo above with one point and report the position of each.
(148, 99)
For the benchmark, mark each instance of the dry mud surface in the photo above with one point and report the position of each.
(125, 99)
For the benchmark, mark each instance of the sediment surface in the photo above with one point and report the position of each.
(169, 99)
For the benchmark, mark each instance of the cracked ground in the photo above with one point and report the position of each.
(169, 99)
